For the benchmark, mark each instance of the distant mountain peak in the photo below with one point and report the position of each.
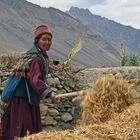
(107, 29)
(80, 11)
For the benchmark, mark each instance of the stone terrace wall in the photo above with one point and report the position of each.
(89, 76)
(65, 114)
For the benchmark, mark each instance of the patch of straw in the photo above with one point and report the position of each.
(107, 96)
(126, 126)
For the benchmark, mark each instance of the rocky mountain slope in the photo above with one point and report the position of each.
(18, 18)
(112, 32)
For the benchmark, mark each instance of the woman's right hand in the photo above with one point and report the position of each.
(53, 97)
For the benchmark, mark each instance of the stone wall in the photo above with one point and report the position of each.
(65, 114)
(130, 74)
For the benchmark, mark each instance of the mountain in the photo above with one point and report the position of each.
(112, 32)
(18, 18)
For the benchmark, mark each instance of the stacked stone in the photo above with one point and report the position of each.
(131, 74)
(62, 79)
(63, 114)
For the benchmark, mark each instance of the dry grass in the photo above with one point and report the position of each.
(9, 60)
(107, 96)
(126, 126)
(109, 109)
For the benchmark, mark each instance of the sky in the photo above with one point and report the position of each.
(126, 12)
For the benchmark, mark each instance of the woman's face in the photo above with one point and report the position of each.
(45, 42)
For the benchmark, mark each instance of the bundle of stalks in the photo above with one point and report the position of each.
(107, 97)
(126, 126)
(109, 108)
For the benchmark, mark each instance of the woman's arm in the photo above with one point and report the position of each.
(36, 78)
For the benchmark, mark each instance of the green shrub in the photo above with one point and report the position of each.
(132, 59)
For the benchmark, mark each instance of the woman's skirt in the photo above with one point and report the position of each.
(20, 118)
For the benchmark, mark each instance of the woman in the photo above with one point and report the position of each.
(23, 113)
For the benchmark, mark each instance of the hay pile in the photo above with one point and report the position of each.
(125, 126)
(107, 97)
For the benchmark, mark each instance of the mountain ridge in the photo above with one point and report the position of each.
(18, 18)
(111, 31)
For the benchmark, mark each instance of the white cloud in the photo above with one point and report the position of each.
(60, 4)
(124, 11)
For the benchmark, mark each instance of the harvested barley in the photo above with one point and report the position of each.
(126, 126)
(107, 96)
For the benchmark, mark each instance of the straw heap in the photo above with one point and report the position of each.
(125, 126)
(107, 96)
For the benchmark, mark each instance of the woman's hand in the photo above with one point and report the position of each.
(53, 97)
(78, 99)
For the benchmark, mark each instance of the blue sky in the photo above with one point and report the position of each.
(126, 12)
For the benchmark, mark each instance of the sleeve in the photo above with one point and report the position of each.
(35, 78)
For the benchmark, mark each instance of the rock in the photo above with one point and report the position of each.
(43, 122)
(3, 83)
(42, 117)
(119, 75)
(72, 110)
(65, 126)
(79, 122)
(69, 110)
(63, 91)
(50, 121)
(1, 73)
(77, 112)
(48, 128)
(49, 104)
(60, 107)
(43, 109)
(67, 105)
(71, 83)
(67, 88)
(137, 88)
(56, 82)
(60, 87)
(48, 100)
(6, 73)
(57, 118)
(53, 112)
(62, 82)
(0, 82)
(104, 72)
(49, 76)
(66, 117)
(114, 72)
(130, 71)
(50, 81)
(111, 75)
(1, 89)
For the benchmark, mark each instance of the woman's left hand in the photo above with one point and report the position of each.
(78, 100)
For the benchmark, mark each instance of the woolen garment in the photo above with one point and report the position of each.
(23, 114)
(20, 117)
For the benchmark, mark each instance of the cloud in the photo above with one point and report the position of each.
(124, 11)
(61, 4)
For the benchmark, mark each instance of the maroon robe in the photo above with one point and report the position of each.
(21, 116)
